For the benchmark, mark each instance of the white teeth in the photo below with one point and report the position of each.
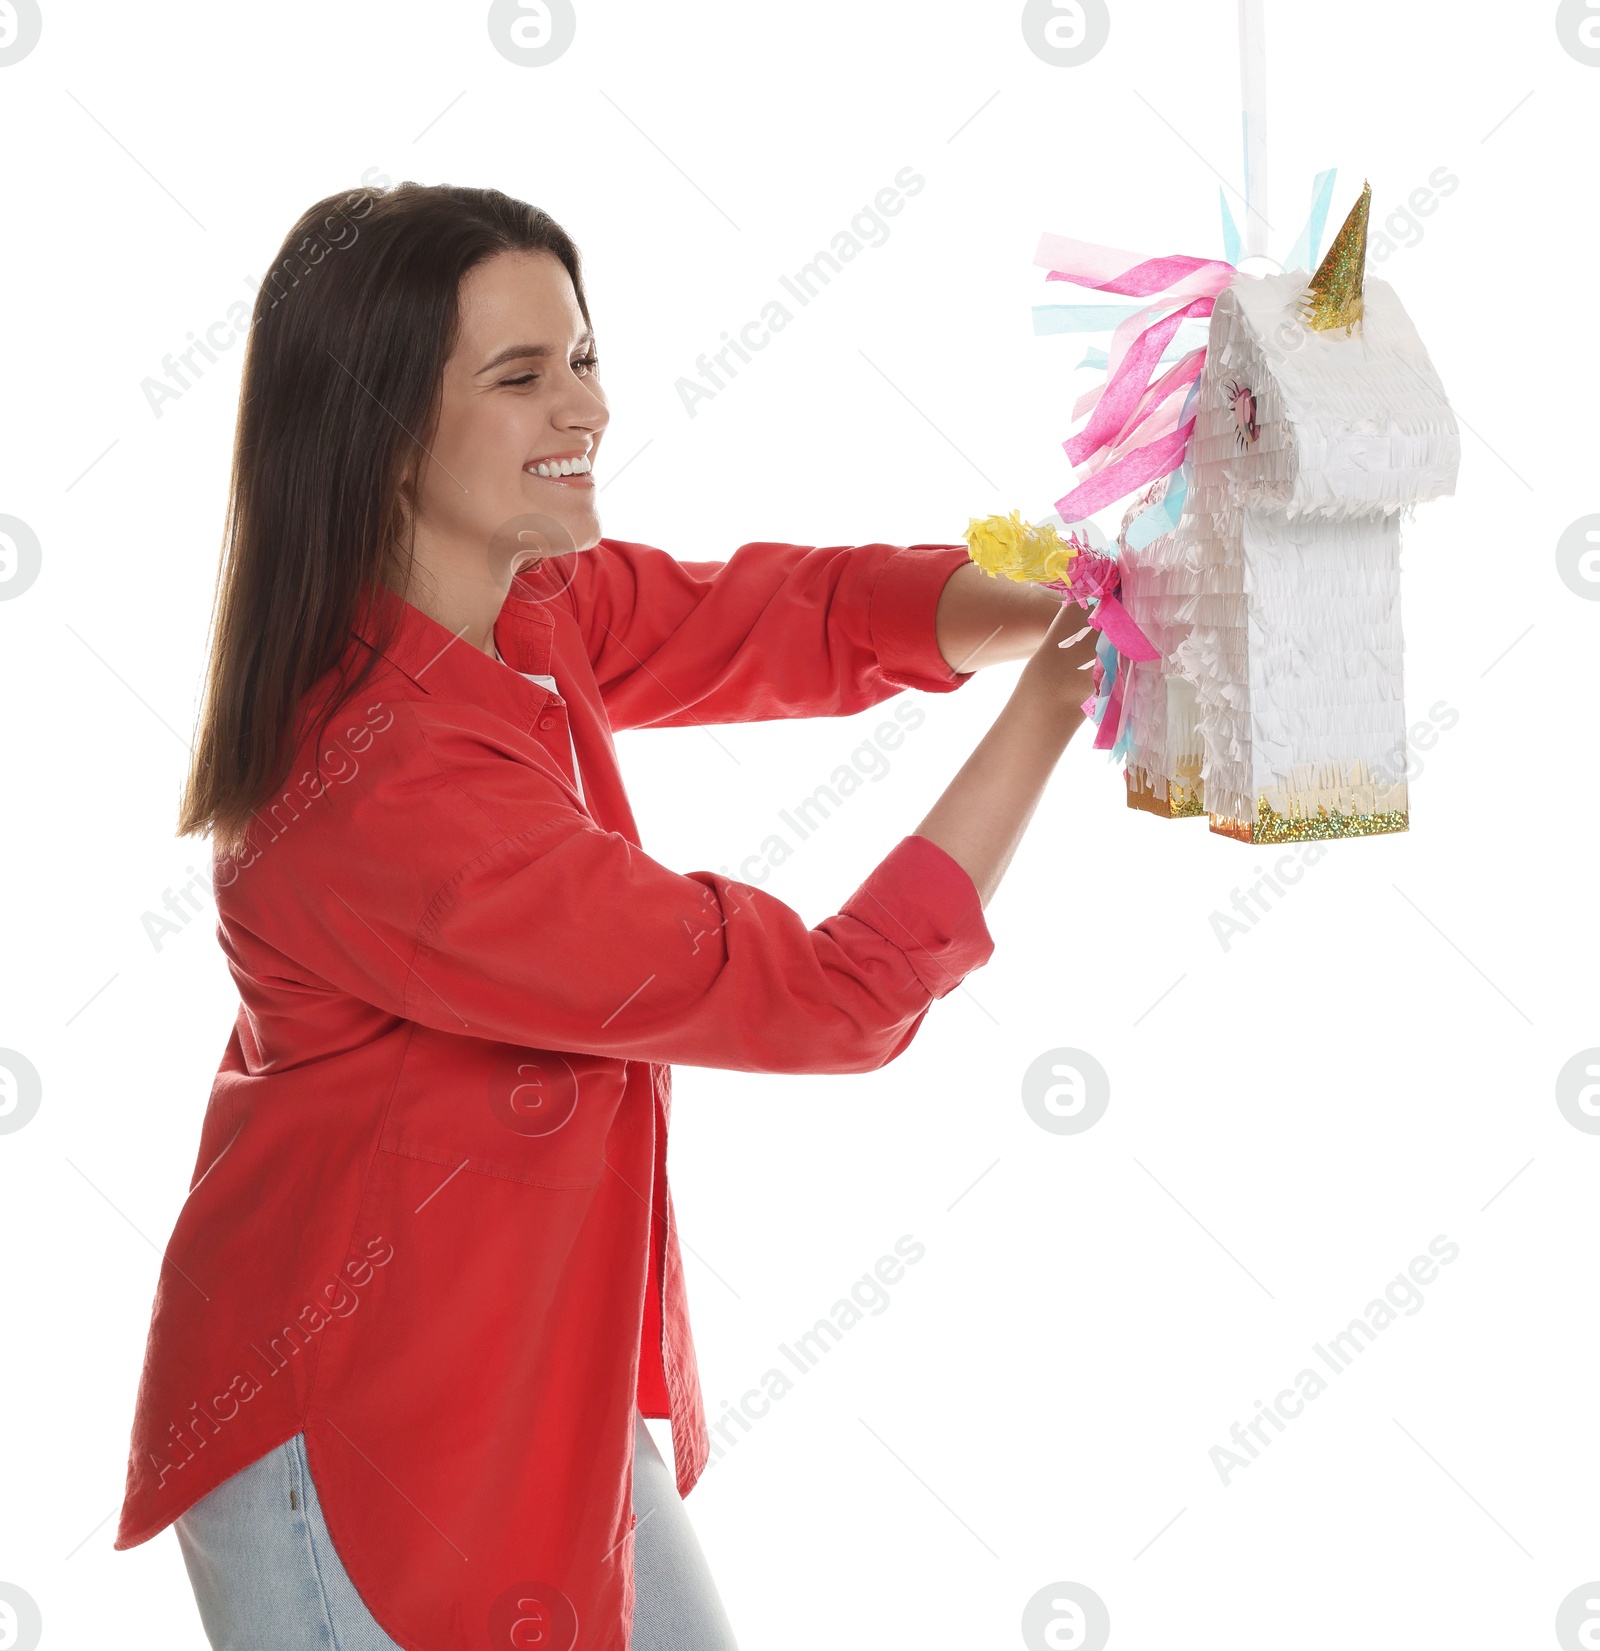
(579, 466)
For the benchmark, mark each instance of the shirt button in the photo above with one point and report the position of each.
(547, 722)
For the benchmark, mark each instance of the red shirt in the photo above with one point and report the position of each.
(429, 1224)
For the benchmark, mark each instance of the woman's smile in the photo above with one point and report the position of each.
(563, 469)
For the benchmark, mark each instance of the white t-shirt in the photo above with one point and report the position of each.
(549, 682)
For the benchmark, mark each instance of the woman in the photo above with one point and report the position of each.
(426, 1284)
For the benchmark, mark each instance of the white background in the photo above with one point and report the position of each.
(1291, 1120)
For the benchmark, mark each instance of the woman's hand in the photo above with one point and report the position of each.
(1059, 666)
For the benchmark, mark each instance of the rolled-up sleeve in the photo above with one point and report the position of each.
(503, 912)
(777, 630)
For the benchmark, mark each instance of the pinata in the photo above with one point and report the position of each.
(1250, 660)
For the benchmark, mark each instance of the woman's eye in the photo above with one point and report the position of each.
(586, 363)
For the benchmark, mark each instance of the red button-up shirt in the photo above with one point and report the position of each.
(429, 1224)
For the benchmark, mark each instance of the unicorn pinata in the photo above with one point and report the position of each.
(1250, 656)
(1250, 663)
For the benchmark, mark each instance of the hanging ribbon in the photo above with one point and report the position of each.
(1253, 120)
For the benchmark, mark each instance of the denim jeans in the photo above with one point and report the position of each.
(266, 1578)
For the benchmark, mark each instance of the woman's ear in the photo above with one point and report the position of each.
(403, 524)
(406, 492)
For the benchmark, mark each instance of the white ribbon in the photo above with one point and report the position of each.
(1253, 100)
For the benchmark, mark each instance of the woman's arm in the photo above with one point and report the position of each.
(776, 631)
(982, 620)
(980, 818)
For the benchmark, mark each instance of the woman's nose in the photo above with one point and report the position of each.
(587, 407)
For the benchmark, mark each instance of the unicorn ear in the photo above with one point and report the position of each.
(1333, 297)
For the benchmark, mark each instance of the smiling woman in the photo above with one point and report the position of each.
(462, 980)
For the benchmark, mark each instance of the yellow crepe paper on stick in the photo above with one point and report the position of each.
(1010, 546)
(1333, 296)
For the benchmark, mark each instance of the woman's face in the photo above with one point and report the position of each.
(520, 390)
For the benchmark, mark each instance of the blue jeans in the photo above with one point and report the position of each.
(266, 1578)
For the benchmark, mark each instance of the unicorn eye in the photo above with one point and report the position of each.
(1242, 399)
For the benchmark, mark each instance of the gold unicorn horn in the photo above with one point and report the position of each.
(1333, 297)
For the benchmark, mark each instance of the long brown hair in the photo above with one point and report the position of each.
(342, 378)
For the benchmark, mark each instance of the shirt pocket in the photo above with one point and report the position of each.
(540, 1116)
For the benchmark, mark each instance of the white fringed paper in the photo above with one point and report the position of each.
(1276, 600)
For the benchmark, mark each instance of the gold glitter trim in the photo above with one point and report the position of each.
(1181, 802)
(1333, 296)
(1271, 827)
